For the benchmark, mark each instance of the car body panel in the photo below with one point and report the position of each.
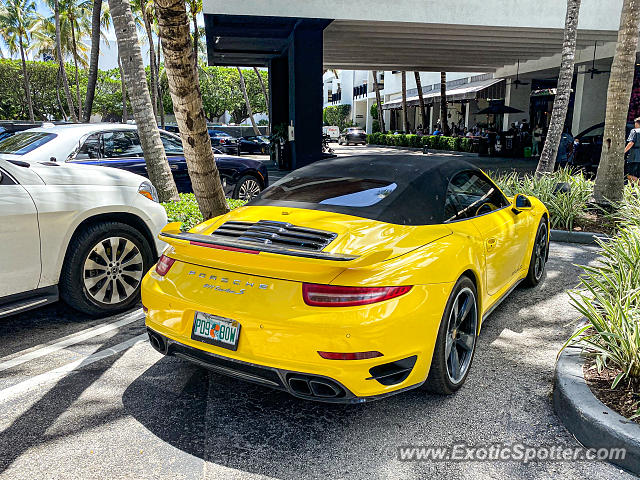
(263, 291)
(65, 195)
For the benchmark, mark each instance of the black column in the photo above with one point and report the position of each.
(305, 93)
(279, 91)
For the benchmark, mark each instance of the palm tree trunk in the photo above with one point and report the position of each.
(444, 116)
(405, 113)
(136, 82)
(243, 87)
(182, 75)
(376, 87)
(63, 72)
(263, 86)
(75, 62)
(610, 177)
(423, 112)
(547, 160)
(123, 89)
(196, 34)
(60, 106)
(25, 80)
(93, 60)
(160, 102)
(152, 63)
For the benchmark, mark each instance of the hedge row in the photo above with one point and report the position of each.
(457, 144)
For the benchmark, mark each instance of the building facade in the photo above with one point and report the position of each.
(516, 41)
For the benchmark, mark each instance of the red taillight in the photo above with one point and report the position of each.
(163, 265)
(339, 296)
(349, 356)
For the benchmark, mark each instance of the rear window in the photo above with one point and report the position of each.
(344, 192)
(380, 199)
(24, 142)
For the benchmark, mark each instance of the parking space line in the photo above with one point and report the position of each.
(73, 339)
(59, 372)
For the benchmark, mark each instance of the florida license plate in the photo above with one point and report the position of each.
(215, 330)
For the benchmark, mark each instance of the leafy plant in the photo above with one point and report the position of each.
(609, 298)
(336, 115)
(564, 207)
(187, 211)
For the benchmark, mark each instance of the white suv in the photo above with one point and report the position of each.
(87, 234)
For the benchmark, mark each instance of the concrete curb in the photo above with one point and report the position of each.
(592, 423)
(587, 238)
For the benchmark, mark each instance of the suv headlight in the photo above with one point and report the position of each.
(149, 191)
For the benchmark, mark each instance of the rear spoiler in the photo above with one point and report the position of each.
(172, 232)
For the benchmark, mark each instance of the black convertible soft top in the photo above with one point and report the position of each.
(398, 189)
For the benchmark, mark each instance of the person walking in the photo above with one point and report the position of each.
(537, 138)
(632, 163)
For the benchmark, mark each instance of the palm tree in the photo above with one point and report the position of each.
(96, 17)
(63, 72)
(547, 160)
(74, 21)
(123, 91)
(17, 17)
(610, 177)
(136, 82)
(405, 114)
(423, 112)
(262, 86)
(160, 103)
(444, 122)
(243, 87)
(147, 14)
(376, 87)
(182, 76)
(195, 8)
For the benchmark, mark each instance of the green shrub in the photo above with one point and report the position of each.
(609, 298)
(187, 211)
(564, 208)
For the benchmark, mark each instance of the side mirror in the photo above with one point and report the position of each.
(521, 203)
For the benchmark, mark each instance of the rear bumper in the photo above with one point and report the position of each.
(299, 384)
(280, 333)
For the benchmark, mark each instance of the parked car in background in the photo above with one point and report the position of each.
(225, 142)
(586, 149)
(353, 135)
(332, 131)
(118, 145)
(82, 233)
(255, 144)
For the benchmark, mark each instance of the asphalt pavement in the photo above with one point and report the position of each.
(89, 398)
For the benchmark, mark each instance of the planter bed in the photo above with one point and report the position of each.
(592, 423)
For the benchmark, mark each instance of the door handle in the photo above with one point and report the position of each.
(491, 243)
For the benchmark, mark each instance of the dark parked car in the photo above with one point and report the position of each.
(221, 141)
(119, 146)
(255, 144)
(352, 135)
(225, 142)
(587, 148)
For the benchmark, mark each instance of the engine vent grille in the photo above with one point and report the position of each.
(267, 232)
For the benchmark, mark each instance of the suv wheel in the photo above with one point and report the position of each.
(104, 267)
(247, 188)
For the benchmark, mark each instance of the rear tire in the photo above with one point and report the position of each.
(456, 342)
(539, 255)
(103, 268)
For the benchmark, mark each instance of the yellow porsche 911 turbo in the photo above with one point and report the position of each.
(349, 279)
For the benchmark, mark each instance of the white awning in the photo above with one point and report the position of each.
(464, 92)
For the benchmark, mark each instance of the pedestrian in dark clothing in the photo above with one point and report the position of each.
(632, 164)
